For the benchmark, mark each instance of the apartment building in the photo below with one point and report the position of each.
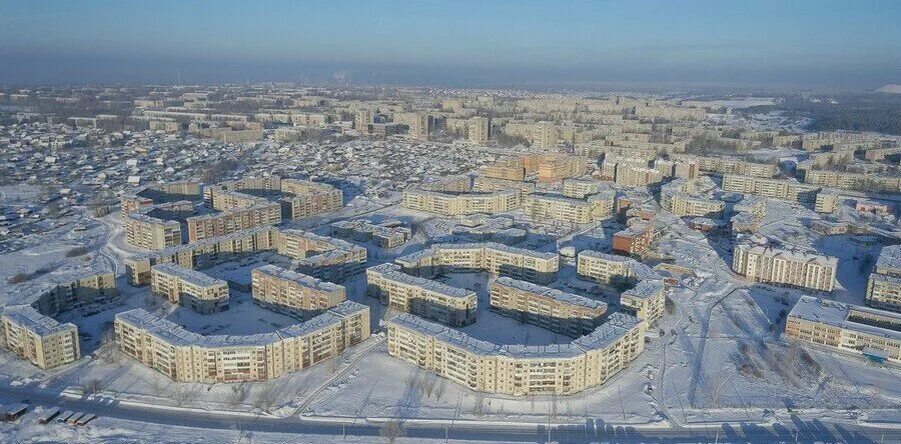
(826, 201)
(189, 288)
(220, 224)
(306, 198)
(294, 293)
(151, 233)
(79, 293)
(423, 297)
(483, 184)
(761, 263)
(479, 130)
(494, 258)
(884, 284)
(190, 357)
(448, 204)
(684, 204)
(580, 188)
(419, 125)
(39, 339)
(557, 168)
(645, 300)
(541, 207)
(852, 329)
(298, 198)
(776, 188)
(201, 254)
(517, 370)
(507, 169)
(318, 256)
(631, 174)
(160, 193)
(747, 214)
(222, 199)
(388, 234)
(726, 165)
(611, 269)
(847, 180)
(555, 310)
(637, 238)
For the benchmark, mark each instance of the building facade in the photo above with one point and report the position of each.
(190, 288)
(555, 310)
(497, 259)
(765, 264)
(294, 293)
(190, 357)
(846, 328)
(423, 297)
(517, 370)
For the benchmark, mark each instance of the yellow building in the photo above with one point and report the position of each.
(765, 264)
(846, 328)
(292, 292)
(151, 233)
(39, 339)
(458, 204)
(541, 207)
(517, 370)
(189, 288)
(423, 297)
(884, 285)
(190, 357)
(497, 259)
(555, 310)
(237, 219)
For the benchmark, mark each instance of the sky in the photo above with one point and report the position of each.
(846, 44)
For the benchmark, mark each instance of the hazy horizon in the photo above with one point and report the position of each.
(825, 44)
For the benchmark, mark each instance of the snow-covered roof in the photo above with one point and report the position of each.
(190, 276)
(552, 293)
(617, 326)
(645, 288)
(393, 272)
(838, 314)
(176, 335)
(28, 317)
(298, 278)
(889, 258)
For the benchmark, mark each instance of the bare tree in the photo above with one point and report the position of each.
(267, 398)
(158, 384)
(391, 430)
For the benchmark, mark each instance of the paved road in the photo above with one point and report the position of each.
(591, 431)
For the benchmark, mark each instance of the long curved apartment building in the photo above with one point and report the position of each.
(495, 258)
(190, 357)
(423, 297)
(517, 370)
(318, 256)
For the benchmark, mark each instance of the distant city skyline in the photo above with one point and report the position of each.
(461, 43)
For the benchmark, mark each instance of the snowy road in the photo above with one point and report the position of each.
(796, 430)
